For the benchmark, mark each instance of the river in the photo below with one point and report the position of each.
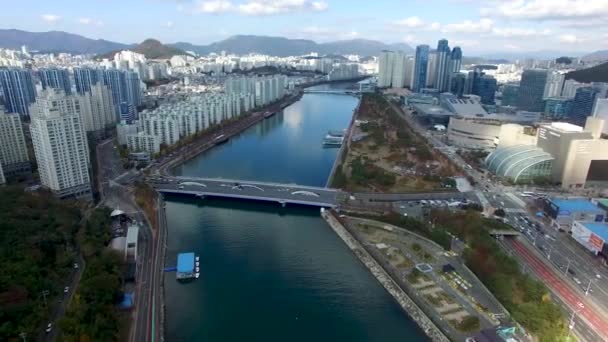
(270, 273)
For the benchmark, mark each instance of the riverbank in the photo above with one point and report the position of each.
(406, 303)
(210, 139)
(343, 149)
(384, 155)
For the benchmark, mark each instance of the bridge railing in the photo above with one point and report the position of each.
(240, 181)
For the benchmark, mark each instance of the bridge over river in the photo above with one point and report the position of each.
(333, 91)
(260, 191)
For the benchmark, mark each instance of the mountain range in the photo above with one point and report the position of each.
(151, 48)
(280, 46)
(597, 56)
(57, 41)
(598, 73)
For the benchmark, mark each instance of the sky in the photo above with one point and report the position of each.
(478, 26)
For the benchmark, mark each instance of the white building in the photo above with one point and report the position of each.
(554, 85)
(570, 87)
(385, 69)
(122, 130)
(141, 142)
(600, 111)
(97, 108)
(2, 179)
(13, 150)
(60, 144)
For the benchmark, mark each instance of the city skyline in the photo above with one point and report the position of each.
(513, 26)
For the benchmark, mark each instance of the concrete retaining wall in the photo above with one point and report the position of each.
(431, 330)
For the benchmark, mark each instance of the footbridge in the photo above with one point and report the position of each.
(333, 92)
(239, 189)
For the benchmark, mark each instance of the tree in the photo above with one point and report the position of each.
(500, 212)
(563, 60)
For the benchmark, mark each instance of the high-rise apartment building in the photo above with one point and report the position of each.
(509, 94)
(570, 87)
(60, 144)
(444, 57)
(55, 78)
(398, 78)
(124, 85)
(531, 90)
(486, 88)
(84, 78)
(457, 83)
(582, 105)
(554, 85)
(456, 59)
(102, 105)
(431, 70)
(18, 89)
(13, 150)
(420, 67)
(385, 69)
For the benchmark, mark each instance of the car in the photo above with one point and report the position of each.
(580, 305)
(75, 265)
(49, 327)
(66, 289)
(576, 280)
(571, 271)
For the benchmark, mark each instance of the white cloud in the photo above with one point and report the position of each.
(261, 7)
(482, 26)
(50, 18)
(409, 39)
(435, 26)
(549, 9)
(569, 38)
(411, 22)
(519, 32)
(168, 24)
(319, 5)
(215, 6)
(89, 21)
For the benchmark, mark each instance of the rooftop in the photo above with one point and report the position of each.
(567, 206)
(565, 127)
(185, 262)
(597, 228)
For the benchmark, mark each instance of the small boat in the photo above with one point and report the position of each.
(197, 264)
(197, 269)
(196, 275)
(196, 259)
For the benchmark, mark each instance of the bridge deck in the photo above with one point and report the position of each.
(261, 191)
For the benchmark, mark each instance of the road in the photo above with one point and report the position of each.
(273, 192)
(592, 326)
(557, 248)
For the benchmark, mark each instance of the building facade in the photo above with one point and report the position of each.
(531, 90)
(18, 89)
(13, 150)
(420, 67)
(60, 144)
(55, 78)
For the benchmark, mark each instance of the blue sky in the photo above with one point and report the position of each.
(478, 26)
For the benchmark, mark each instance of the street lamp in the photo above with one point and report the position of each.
(567, 268)
(588, 287)
(571, 323)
